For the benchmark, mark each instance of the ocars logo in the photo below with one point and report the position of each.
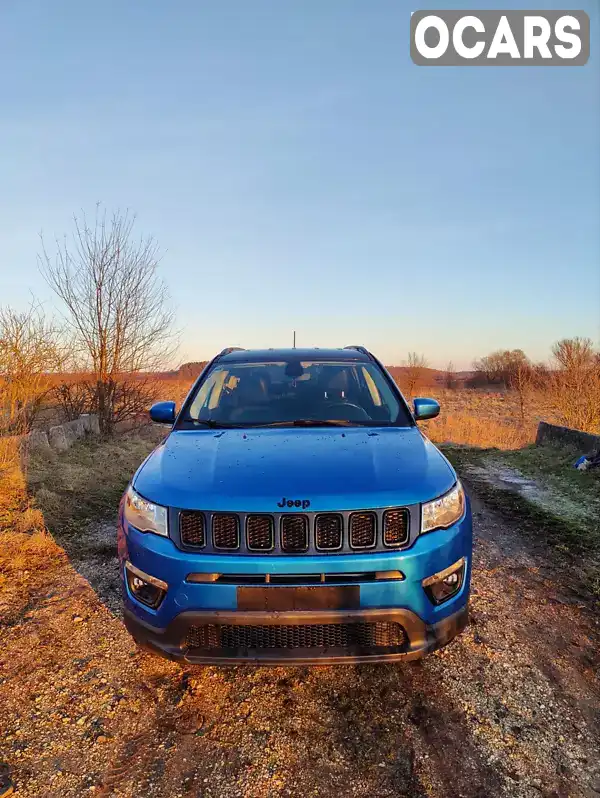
(497, 38)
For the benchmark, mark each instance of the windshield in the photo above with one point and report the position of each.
(296, 393)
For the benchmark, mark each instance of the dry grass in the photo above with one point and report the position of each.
(45, 494)
(13, 490)
(469, 430)
(485, 419)
(25, 560)
(86, 482)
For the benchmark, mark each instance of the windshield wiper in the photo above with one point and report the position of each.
(311, 422)
(207, 422)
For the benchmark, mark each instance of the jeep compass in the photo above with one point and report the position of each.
(295, 512)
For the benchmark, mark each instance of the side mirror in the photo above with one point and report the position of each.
(163, 412)
(426, 408)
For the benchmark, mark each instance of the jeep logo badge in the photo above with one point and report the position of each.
(303, 503)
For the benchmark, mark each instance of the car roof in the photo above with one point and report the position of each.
(304, 354)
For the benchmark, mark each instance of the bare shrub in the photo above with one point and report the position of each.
(132, 396)
(115, 305)
(29, 353)
(74, 398)
(573, 385)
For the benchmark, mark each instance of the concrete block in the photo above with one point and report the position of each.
(74, 429)
(552, 434)
(38, 439)
(57, 438)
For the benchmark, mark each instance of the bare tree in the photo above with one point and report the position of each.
(415, 372)
(522, 382)
(29, 352)
(450, 375)
(114, 302)
(500, 367)
(573, 385)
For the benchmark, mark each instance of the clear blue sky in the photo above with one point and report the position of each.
(298, 171)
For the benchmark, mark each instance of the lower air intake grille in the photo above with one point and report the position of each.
(363, 530)
(327, 635)
(395, 527)
(225, 532)
(328, 532)
(294, 533)
(191, 528)
(259, 533)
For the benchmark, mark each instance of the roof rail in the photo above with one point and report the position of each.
(229, 349)
(362, 349)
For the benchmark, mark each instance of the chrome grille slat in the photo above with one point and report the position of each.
(363, 530)
(294, 533)
(259, 533)
(329, 532)
(395, 527)
(226, 531)
(192, 528)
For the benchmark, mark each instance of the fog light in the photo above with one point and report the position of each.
(442, 586)
(145, 588)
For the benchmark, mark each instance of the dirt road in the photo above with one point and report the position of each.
(511, 708)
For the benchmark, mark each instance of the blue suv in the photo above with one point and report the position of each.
(295, 513)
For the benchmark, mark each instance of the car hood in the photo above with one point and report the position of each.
(252, 470)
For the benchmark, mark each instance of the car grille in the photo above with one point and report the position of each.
(191, 528)
(225, 532)
(259, 533)
(294, 533)
(395, 527)
(328, 532)
(293, 636)
(363, 530)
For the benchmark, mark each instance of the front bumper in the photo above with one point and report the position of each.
(427, 626)
(171, 642)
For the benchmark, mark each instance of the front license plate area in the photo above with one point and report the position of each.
(281, 599)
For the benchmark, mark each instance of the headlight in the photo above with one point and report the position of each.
(144, 515)
(445, 511)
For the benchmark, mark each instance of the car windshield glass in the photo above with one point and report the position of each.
(298, 393)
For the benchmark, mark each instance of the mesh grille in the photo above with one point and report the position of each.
(363, 530)
(329, 635)
(395, 527)
(328, 532)
(225, 532)
(294, 533)
(191, 528)
(259, 532)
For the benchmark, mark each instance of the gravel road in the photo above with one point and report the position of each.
(510, 708)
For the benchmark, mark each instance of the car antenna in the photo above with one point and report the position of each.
(294, 346)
